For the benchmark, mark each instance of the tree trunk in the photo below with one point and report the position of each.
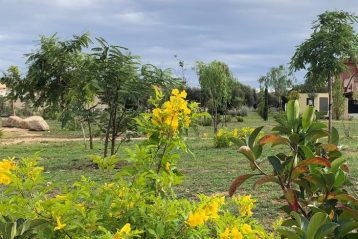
(90, 133)
(13, 108)
(84, 135)
(266, 105)
(330, 104)
(216, 120)
(114, 131)
(106, 140)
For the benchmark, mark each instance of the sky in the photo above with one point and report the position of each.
(251, 36)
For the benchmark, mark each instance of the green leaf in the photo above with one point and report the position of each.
(316, 126)
(325, 230)
(257, 150)
(253, 136)
(313, 135)
(334, 137)
(307, 152)
(288, 232)
(293, 112)
(316, 221)
(238, 181)
(340, 179)
(307, 118)
(276, 164)
(347, 227)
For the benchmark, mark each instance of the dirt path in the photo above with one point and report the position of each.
(23, 136)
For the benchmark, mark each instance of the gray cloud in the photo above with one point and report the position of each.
(249, 35)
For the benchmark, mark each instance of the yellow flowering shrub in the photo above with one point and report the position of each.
(225, 138)
(137, 202)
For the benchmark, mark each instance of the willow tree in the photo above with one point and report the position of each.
(215, 79)
(332, 41)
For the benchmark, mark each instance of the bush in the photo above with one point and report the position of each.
(233, 112)
(239, 119)
(227, 118)
(225, 138)
(320, 115)
(243, 111)
(205, 121)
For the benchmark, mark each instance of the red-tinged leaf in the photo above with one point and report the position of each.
(265, 179)
(298, 170)
(238, 181)
(274, 139)
(312, 179)
(343, 197)
(353, 213)
(315, 161)
(329, 147)
(345, 168)
(245, 150)
(291, 198)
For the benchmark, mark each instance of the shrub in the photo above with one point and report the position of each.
(225, 138)
(233, 112)
(239, 119)
(243, 111)
(227, 118)
(137, 203)
(320, 115)
(312, 174)
(205, 121)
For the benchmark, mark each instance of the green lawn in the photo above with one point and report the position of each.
(211, 170)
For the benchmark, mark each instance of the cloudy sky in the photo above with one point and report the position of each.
(249, 35)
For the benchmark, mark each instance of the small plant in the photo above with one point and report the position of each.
(239, 119)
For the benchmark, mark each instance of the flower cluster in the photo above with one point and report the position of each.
(173, 112)
(246, 204)
(6, 166)
(209, 211)
(244, 231)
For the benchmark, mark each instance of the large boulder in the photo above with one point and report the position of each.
(36, 123)
(12, 121)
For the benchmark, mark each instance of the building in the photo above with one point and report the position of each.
(318, 100)
(2, 90)
(350, 84)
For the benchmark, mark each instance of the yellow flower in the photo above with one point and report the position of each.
(175, 92)
(246, 205)
(236, 234)
(4, 179)
(225, 234)
(183, 94)
(196, 219)
(7, 165)
(59, 225)
(235, 132)
(246, 229)
(167, 166)
(126, 229)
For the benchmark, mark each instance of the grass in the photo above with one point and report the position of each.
(211, 171)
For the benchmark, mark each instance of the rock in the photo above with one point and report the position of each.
(36, 123)
(12, 121)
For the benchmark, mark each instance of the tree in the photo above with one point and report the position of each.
(263, 106)
(12, 79)
(280, 80)
(332, 41)
(214, 79)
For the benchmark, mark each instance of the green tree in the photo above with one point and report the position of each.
(263, 104)
(215, 79)
(332, 41)
(280, 80)
(12, 79)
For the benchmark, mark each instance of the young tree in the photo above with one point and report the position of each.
(12, 79)
(333, 40)
(215, 79)
(280, 80)
(263, 106)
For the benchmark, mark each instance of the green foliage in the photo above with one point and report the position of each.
(311, 173)
(137, 202)
(239, 119)
(205, 121)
